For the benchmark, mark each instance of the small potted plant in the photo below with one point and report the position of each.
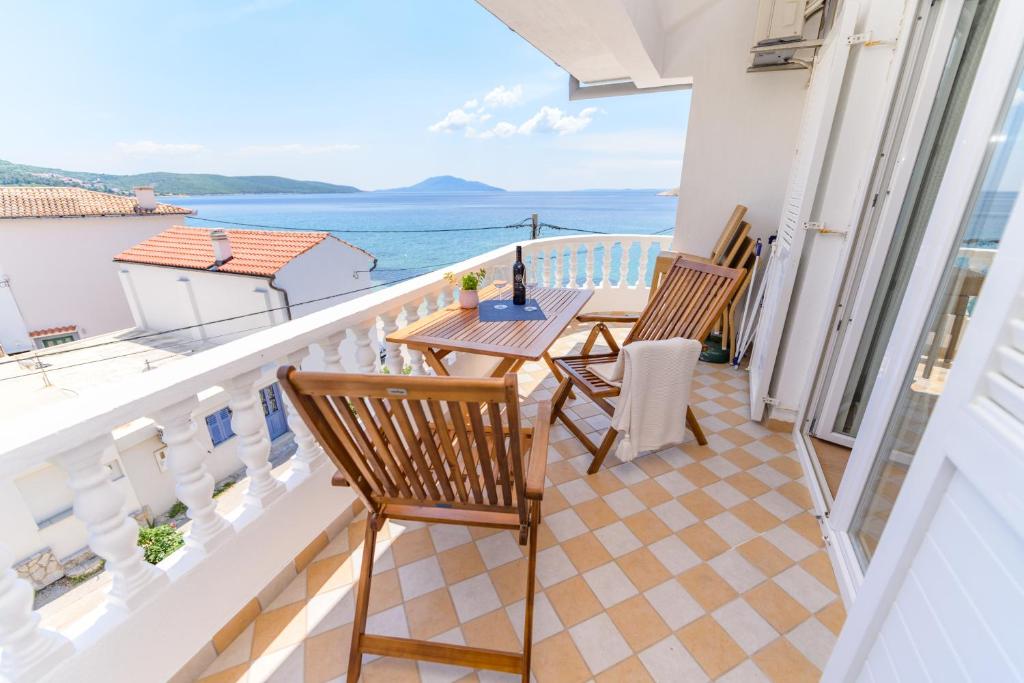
(468, 285)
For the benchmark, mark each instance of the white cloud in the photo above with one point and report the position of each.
(298, 148)
(148, 147)
(554, 120)
(471, 104)
(457, 119)
(504, 97)
(504, 129)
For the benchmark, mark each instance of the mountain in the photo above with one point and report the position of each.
(164, 183)
(447, 183)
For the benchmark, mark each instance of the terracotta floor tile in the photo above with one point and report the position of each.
(701, 504)
(279, 628)
(650, 492)
(493, 631)
(820, 567)
(604, 482)
(736, 436)
(748, 485)
(776, 606)
(647, 526)
(797, 493)
(707, 587)
(390, 670)
(411, 546)
(833, 616)
(782, 442)
(570, 448)
(638, 623)
(430, 614)
(510, 581)
(741, 458)
(357, 533)
(755, 516)
(807, 526)
(573, 601)
(556, 660)
(560, 472)
(698, 453)
(586, 552)
(765, 556)
(596, 513)
(629, 670)
(326, 655)
(703, 540)
(783, 663)
(643, 569)
(236, 674)
(711, 646)
(545, 539)
(461, 563)
(698, 474)
(652, 465)
(385, 591)
(328, 574)
(554, 501)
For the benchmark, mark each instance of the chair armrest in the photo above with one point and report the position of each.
(338, 479)
(538, 465)
(607, 317)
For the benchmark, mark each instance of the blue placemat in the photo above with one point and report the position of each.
(489, 314)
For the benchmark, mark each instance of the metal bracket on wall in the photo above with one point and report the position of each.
(822, 230)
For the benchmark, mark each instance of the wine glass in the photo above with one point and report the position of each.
(499, 279)
(527, 284)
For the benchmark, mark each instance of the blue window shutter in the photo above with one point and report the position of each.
(219, 425)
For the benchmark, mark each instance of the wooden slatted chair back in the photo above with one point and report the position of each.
(423, 441)
(688, 302)
(730, 234)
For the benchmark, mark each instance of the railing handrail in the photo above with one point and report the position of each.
(35, 437)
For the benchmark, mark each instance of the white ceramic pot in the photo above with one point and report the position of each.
(469, 298)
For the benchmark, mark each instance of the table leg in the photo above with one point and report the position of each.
(435, 362)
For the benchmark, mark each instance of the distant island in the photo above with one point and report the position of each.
(447, 183)
(164, 183)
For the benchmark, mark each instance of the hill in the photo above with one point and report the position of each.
(164, 183)
(447, 183)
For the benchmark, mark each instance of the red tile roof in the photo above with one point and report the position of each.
(253, 252)
(67, 202)
(53, 330)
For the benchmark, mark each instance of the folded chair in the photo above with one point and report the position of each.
(447, 450)
(688, 303)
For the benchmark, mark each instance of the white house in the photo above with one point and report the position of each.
(249, 279)
(56, 283)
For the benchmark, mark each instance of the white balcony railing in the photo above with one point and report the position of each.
(155, 618)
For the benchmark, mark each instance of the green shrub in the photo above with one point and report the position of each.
(159, 541)
(177, 509)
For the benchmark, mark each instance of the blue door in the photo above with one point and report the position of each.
(273, 410)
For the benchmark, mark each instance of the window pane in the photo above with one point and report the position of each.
(980, 234)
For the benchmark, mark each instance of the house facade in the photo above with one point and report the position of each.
(56, 283)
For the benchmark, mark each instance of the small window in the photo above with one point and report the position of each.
(219, 424)
(56, 341)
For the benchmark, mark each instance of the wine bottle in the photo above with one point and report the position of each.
(519, 279)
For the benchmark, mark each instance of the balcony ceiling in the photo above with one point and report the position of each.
(602, 40)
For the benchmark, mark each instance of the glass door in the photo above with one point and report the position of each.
(962, 280)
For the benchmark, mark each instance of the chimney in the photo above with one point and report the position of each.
(146, 198)
(221, 247)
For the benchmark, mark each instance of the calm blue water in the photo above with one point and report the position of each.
(399, 255)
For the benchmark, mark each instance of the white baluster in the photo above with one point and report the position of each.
(641, 271)
(366, 357)
(432, 303)
(624, 258)
(606, 264)
(331, 346)
(186, 459)
(548, 256)
(574, 249)
(253, 447)
(412, 314)
(590, 279)
(308, 454)
(394, 359)
(113, 535)
(27, 650)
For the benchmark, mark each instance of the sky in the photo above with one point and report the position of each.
(374, 94)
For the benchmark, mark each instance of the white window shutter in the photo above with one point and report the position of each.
(815, 128)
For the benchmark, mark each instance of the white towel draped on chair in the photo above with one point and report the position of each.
(651, 409)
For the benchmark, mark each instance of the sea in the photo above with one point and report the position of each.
(372, 220)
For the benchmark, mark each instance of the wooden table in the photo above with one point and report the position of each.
(453, 329)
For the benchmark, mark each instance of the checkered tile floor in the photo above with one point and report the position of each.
(692, 564)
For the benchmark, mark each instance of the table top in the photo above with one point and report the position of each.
(459, 329)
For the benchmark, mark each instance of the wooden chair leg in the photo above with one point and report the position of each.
(558, 400)
(355, 657)
(531, 580)
(602, 451)
(691, 422)
(555, 372)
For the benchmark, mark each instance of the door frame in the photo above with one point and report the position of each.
(997, 68)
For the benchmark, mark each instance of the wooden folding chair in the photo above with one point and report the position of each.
(446, 450)
(688, 303)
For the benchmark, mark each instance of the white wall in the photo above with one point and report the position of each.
(328, 268)
(60, 273)
(741, 133)
(167, 298)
